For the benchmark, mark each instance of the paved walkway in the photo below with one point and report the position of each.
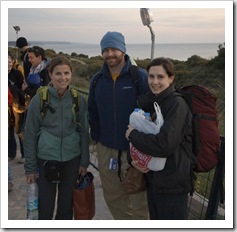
(17, 198)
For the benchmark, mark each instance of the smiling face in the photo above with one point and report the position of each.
(61, 77)
(158, 79)
(113, 57)
(34, 60)
(10, 63)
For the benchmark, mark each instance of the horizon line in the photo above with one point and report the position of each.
(69, 42)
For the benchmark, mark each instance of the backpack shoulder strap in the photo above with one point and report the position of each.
(133, 71)
(75, 104)
(95, 80)
(44, 100)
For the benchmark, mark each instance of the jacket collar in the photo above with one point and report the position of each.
(146, 102)
(159, 98)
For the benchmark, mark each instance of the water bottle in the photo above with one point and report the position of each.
(32, 201)
(147, 116)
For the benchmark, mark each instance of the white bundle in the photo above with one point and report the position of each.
(139, 122)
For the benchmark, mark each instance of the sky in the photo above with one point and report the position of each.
(203, 24)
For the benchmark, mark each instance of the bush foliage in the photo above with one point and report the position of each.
(195, 71)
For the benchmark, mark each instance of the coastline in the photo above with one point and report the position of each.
(178, 51)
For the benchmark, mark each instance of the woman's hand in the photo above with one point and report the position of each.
(139, 168)
(128, 131)
(30, 178)
(82, 170)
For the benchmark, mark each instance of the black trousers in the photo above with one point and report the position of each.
(167, 206)
(11, 141)
(19, 120)
(12, 145)
(63, 190)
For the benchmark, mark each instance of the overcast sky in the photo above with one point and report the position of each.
(203, 24)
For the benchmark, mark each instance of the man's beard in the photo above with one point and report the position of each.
(116, 60)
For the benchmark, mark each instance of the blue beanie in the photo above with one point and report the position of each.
(113, 39)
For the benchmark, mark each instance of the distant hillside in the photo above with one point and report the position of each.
(40, 43)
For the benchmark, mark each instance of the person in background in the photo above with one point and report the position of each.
(56, 149)
(168, 189)
(16, 109)
(10, 178)
(22, 44)
(19, 67)
(38, 75)
(109, 107)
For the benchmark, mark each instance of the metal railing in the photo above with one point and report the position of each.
(209, 204)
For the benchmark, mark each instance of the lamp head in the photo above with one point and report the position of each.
(17, 28)
(146, 16)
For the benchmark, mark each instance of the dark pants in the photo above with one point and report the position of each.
(18, 121)
(63, 190)
(11, 142)
(12, 145)
(167, 206)
(21, 146)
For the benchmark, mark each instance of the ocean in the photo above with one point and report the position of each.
(181, 51)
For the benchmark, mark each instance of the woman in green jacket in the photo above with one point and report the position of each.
(56, 146)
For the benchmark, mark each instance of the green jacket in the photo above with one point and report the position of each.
(55, 136)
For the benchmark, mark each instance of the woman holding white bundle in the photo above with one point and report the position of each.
(168, 188)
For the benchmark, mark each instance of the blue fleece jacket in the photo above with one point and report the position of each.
(111, 103)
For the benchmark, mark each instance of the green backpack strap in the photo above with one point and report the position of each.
(44, 103)
(75, 105)
(44, 100)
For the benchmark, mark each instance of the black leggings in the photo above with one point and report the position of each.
(19, 120)
(48, 191)
(11, 142)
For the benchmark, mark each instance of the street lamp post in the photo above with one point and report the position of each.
(147, 18)
(17, 28)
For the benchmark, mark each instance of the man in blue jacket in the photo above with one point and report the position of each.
(112, 98)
